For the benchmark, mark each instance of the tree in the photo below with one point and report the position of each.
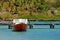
(57, 3)
(0, 8)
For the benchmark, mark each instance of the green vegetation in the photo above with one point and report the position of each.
(30, 9)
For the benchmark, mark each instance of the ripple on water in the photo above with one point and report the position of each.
(30, 34)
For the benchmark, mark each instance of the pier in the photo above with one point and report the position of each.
(51, 24)
(10, 24)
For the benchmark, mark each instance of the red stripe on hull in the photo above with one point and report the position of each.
(20, 27)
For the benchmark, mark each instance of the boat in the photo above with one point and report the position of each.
(20, 24)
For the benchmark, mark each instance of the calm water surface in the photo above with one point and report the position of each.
(41, 32)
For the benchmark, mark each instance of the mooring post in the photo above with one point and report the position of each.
(30, 26)
(51, 26)
(9, 27)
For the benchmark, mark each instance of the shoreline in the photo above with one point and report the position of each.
(29, 20)
(43, 20)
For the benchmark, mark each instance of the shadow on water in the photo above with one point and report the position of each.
(45, 28)
(19, 31)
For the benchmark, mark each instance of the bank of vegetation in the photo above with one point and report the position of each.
(30, 9)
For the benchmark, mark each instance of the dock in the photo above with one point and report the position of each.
(10, 24)
(52, 25)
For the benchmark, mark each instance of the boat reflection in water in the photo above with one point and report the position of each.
(20, 24)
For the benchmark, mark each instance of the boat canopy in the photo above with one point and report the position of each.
(18, 21)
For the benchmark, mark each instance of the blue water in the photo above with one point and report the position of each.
(41, 32)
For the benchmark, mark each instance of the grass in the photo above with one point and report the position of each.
(41, 17)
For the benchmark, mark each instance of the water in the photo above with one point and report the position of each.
(42, 32)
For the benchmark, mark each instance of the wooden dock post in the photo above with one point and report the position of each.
(9, 26)
(30, 26)
(51, 26)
